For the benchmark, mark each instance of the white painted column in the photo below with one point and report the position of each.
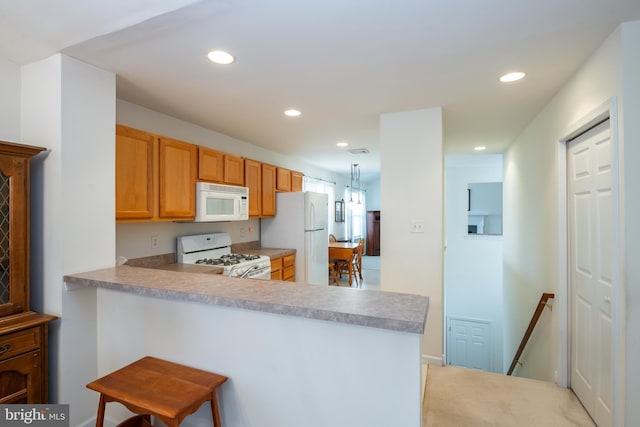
(411, 195)
(69, 107)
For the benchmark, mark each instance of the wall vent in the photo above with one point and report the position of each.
(358, 151)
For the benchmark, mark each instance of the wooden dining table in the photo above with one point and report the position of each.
(344, 251)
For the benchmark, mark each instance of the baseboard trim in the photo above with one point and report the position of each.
(428, 359)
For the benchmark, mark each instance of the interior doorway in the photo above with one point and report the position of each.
(473, 267)
(590, 299)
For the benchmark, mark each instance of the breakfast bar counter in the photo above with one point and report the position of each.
(294, 354)
(386, 310)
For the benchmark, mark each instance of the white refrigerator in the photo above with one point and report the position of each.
(301, 223)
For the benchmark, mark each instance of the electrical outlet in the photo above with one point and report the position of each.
(417, 226)
(154, 242)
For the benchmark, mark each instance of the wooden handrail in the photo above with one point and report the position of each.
(536, 315)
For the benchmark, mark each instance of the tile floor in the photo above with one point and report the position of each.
(370, 274)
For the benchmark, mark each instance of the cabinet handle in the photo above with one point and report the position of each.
(5, 348)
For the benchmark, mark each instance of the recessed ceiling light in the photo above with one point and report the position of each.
(221, 57)
(292, 113)
(512, 77)
(342, 144)
(480, 148)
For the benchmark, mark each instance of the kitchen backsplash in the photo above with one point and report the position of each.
(145, 239)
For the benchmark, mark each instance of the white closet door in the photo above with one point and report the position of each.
(591, 259)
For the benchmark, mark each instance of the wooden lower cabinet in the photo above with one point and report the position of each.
(283, 268)
(289, 269)
(23, 358)
(21, 379)
(276, 268)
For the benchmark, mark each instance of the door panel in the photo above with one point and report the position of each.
(470, 344)
(592, 267)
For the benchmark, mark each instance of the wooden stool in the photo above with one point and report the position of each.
(166, 390)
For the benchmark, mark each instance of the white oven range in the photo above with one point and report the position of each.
(215, 249)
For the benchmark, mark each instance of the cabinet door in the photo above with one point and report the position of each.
(210, 165)
(253, 180)
(178, 161)
(21, 379)
(276, 268)
(233, 170)
(296, 181)
(289, 269)
(268, 190)
(14, 229)
(283, 182)
(135, 174)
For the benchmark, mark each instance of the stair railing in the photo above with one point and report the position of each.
(536, 315)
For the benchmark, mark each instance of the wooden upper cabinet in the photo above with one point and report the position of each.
(217, 166)
(253, 180)
(136, 159)
(210, 165)
(268, 190)
(156, 176)
(296, 181)
(177, 179)
(233, 170)
(14, 227)
(283, 182)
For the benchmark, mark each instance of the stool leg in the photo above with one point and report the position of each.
(214, 410)
(100, 416)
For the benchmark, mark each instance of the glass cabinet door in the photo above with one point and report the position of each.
(5, 238)
(14, 226)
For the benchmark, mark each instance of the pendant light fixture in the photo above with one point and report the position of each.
(355, 180)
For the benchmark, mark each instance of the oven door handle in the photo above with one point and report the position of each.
(249, 270)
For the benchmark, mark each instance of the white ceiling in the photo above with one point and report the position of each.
(341, 62)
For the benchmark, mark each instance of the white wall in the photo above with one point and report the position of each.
(9, 101)
(531, 232)
(630, 150)
(283, 370)
(411, 189)
(473, 264)
(373, 194)
(133, 239)
(69, 107)
(531, 210)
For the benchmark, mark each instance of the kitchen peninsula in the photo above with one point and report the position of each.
(294, 354)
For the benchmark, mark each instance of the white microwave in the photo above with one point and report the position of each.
(218, 202)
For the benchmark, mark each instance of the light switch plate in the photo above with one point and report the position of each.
(417, 226)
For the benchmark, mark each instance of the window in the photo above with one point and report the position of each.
(356, 207)
(321, 186)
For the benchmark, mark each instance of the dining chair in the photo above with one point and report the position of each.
(333, 272)
(355, 261)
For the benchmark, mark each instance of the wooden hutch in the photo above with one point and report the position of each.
(373, 233)
(23, 333)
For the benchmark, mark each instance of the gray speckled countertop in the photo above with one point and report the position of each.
(377, 309)
(270, 252)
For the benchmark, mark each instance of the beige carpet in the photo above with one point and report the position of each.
(464, 397)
